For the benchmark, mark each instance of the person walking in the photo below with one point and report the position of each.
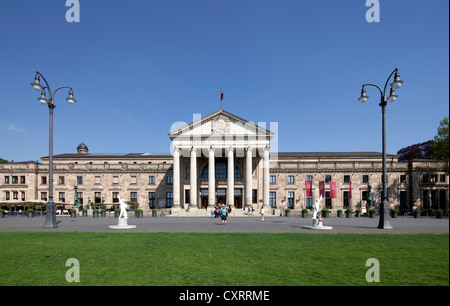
(262, 213)
(223, 213)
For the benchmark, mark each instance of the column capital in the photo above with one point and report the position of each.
(230, 148)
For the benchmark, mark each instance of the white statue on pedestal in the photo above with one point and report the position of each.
(123, 208)
(123, 222)
(316, 207)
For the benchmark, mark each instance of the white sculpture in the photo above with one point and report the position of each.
(123, 208)
(317, 218)
(123, 222)
(316, 207)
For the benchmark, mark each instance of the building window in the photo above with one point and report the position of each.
(169, 199)
(309, 177)
(403, 178)
(187, 196)
(290, 179)
(442, 178)
(220, 169)
(6, 180)
(22, 179)
(290, 199)
(15, 195)
(309, 203)
(434, 178)
(79, 180)
(15, 180)
(346, 179)
(43, 180)
(43, 196)
(115, 197)
(133, 196)
(403, 203)
(7, 196)
(61, 180)
(169, 180)
(327, 178)
(327, 199)
(346, 198)
(365, 178)
(254, 196)
(152, 199)
(425, 178)
(80, 197)
(273, 179)
(62, 197)
(151, 179)
(97, 197)
(273, 199)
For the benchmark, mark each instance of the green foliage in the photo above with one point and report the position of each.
(440, 143)
(3, 161)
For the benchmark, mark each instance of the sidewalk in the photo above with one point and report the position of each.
(235, 224)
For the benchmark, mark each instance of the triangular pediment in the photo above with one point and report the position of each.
(222, 124)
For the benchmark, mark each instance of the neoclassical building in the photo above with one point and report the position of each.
(222, 158)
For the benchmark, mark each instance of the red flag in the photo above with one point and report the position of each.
(322, 189)
(333, 190)
(308, 187)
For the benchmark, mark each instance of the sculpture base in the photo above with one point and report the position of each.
(317, 225)
(123, 224)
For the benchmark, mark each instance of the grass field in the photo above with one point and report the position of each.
(202, 259)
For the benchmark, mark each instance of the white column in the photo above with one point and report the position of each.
(266, 178)
(230, 178)
(193, 177)
(176, 178)
(248, 178)
(211, 179)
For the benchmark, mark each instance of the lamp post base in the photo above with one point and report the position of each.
(385, 222)
(50, 217)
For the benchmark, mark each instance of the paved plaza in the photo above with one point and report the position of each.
(401, 224)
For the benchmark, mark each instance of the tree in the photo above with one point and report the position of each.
(3, 161)
(440, 143)
(421, 150)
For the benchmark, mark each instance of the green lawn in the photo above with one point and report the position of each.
(198, 259)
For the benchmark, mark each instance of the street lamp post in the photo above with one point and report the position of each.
(50, 217)
(384, 222)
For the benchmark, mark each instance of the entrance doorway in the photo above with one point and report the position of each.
(238, 198)
(221, 196)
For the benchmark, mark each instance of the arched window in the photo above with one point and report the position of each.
(221, 169)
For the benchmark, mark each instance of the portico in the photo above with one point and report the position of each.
(220, 158)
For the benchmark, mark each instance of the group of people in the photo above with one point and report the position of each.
(222, 211)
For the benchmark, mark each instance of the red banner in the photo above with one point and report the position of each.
(333, 190)
(308, 187)
(322, 189)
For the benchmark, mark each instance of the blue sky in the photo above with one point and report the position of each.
(137, 67)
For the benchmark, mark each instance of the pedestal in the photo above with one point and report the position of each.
(317, 225)
(122, 224)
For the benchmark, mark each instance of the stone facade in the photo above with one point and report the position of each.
(166, 180)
